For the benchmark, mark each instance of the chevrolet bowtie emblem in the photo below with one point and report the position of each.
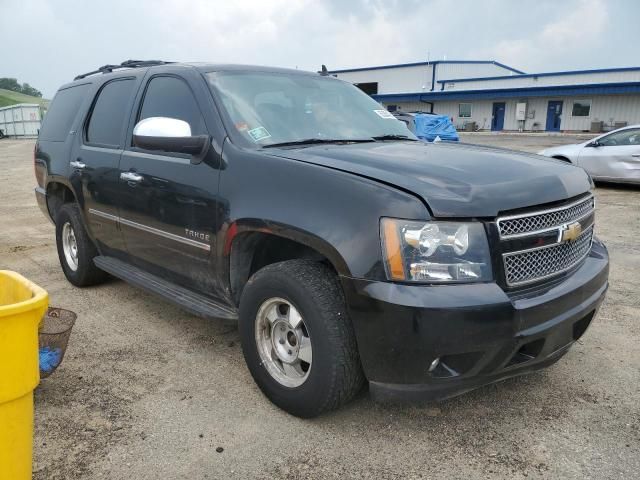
(571, 232)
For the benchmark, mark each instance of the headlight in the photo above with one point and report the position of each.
(435, 252)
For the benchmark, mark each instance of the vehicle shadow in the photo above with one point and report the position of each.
(632, 187)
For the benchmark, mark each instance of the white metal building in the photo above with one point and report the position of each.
(21, 120)
(487, 95)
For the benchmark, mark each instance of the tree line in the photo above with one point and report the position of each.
(15, 86)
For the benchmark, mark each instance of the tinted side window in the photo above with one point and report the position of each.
(110, 112)
(171, 97)
(623, 138)
(64, 107)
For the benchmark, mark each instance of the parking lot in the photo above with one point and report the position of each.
(148, 391)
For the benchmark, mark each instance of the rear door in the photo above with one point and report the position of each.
(95, 160)
(617, 157)
(168, 217)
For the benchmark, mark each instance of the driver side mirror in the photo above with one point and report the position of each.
(170, 135)
(594, 144)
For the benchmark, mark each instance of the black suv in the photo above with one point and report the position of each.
(347, 250)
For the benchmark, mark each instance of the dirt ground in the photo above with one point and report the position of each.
(147, 391)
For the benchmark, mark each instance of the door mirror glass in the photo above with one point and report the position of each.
(169, 135)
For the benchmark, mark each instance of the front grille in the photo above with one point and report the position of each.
(544, 220)
(526, 253)
(533, 265)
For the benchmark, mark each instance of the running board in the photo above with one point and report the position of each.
(193, 302)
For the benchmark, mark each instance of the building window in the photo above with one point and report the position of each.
(370, 88)
(464, 110)
(581, 108)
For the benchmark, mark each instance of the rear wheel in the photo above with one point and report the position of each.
(297, 339)
(76, 251)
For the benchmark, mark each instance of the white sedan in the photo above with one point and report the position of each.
(613, 157)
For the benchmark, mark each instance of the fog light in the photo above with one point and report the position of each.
(434, 364)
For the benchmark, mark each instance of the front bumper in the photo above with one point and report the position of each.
(479, 334)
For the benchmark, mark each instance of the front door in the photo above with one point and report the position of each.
(168, 204)
(617, 156)
(497, 119)
(554, 114)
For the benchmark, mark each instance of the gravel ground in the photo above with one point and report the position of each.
(147, 391)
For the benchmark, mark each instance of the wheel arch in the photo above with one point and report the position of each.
(59, 192)
(251, 245)
(563, 158)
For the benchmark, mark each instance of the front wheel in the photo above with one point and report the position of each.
(297, 339)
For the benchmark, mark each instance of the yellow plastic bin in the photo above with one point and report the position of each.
(22, 305)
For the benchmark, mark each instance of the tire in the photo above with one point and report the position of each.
(83, 272)
(334, 374)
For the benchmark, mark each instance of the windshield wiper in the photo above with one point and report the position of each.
(394, 137)
(311, 141)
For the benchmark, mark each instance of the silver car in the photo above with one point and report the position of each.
(612, 157)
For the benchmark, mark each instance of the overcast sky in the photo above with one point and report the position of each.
(47, 42)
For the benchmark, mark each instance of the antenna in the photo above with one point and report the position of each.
(324, 72)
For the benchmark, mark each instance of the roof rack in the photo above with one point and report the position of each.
(125, 64)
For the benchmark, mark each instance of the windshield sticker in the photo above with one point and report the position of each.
(385, 114)
(259, 133)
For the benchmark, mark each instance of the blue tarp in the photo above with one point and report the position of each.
(428, 127)
(49, 358)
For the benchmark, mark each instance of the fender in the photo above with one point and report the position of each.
(235, 263)
(335, 213)
(248, 225)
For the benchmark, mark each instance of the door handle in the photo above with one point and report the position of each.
(637, 155)
(77, 164)
(131, 177)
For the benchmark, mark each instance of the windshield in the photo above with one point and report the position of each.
(278, 108)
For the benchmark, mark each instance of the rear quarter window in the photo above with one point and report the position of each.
(63, 110)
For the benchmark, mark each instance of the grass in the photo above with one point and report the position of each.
(8, 97)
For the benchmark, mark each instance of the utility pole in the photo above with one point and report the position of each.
(426, 73)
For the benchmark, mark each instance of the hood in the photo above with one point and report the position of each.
(567, 150)
(454, 180)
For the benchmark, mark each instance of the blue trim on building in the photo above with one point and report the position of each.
(520, 72)
(553, 91)
(433, 77)
(435, 62)
(546, 74)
